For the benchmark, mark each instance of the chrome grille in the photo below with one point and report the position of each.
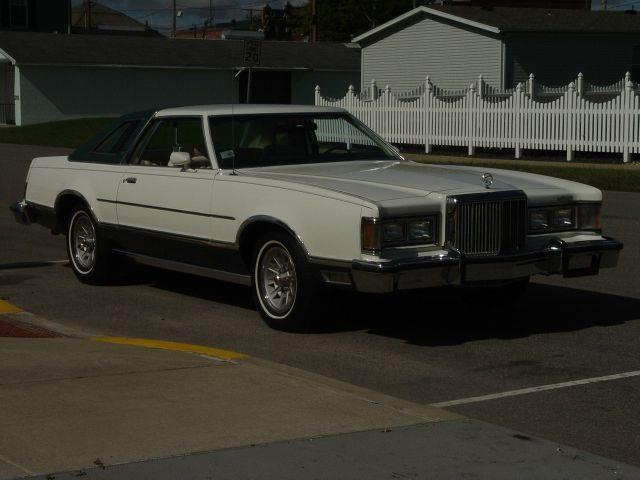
(487, 224)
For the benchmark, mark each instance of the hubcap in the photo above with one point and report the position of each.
(83, 238)
(278, 280)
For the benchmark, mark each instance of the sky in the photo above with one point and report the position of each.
(158, 12)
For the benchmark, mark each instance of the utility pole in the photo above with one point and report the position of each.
(604, 4)
(174, 19)
(87, 14)
(314, 22)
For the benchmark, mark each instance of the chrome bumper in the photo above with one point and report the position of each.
(562, 257)
(20, 211)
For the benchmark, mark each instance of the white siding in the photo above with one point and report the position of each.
(452, 55)
(557, 59)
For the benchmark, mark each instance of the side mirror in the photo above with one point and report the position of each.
(179, 159)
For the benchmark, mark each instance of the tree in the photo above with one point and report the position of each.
(341, 20)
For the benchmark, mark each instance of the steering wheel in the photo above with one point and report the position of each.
(336, 147)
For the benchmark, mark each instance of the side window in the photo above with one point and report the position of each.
(172, 135)
(115, 142)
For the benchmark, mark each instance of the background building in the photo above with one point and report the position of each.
(454, 44)
(53, 77)
(35, 15)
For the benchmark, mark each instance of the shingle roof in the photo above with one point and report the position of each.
(509, 19)
(56, 49)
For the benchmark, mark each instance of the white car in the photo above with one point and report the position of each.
(288, 198)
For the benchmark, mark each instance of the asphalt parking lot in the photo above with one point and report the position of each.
(424, 347)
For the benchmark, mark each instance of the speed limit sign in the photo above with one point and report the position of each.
(252, 52)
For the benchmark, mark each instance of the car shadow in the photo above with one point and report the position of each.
(433, 317)
(441, 317)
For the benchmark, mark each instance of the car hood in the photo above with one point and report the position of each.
(389, 180)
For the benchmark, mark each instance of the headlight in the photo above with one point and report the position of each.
(392, 232)
(538, 220)
(563, 217)
(556, 219)
(421, 230)
(377, 234)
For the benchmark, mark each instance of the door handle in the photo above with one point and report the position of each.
(130, 180)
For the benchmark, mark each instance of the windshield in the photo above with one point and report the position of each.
(244, 141)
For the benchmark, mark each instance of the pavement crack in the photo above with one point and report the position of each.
(116, 374)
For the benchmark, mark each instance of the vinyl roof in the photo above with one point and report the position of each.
(244, 109)
(29, 48)
(509, 19)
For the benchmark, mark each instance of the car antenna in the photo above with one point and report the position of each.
(233, 125)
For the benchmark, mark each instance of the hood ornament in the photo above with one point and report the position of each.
(487, 178)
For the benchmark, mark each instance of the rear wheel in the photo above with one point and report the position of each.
(87, 249)
(283, 285)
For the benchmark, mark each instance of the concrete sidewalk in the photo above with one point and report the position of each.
(116, 411)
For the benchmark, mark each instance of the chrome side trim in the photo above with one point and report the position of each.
(236, 278)
(165, 209)
(172, 236)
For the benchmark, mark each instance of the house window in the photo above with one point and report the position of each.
(18, 14)
(635, 64)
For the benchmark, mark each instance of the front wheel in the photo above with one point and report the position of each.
(283, 285)
(87, 250)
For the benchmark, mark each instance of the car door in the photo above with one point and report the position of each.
(164, 210)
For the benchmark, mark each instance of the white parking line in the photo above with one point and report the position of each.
(541, 388)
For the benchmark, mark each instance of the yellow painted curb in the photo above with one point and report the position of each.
(6, 307)
(175, 346)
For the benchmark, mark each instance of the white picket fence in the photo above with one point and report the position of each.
(514, 119)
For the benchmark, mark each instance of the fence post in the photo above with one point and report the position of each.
(580, 85)
(517, 100)
(480, 86)
(428, 89)
(627, 97)
(389, 114)
(471, 98)
(317, 97)
(532, 86)
(374, 90)
(568, 124)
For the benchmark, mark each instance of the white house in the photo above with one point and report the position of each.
(53, 77)
(455, 44)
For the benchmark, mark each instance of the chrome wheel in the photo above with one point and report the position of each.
(82, 242)
(277, 279)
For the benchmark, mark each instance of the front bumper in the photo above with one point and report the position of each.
(566, 257)
(22, 212)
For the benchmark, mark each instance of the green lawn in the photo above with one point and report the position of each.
(604, 177)
(67, 133)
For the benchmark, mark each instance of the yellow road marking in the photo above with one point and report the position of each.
(176, 346)
(6, 307)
